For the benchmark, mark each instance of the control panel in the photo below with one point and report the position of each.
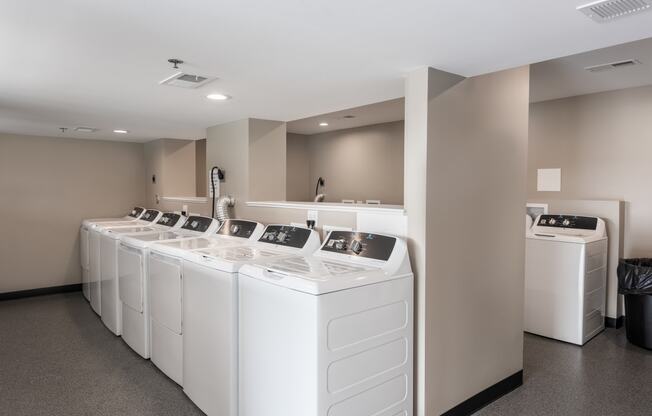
(568, 221)
(149, 215)
(237, 228)
(285, 235)
(169, 219)
(197, 223)
(136, 212)
(373, 246)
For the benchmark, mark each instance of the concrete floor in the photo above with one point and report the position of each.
(608, 376)
(56, 358)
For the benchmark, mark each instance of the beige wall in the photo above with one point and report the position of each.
(173, 163)
(298, 186)
(267, 160)
(466, 152)
(602, 144)
(47, 186)
(201, 172)
(360, 163)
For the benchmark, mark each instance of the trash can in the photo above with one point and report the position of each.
(635, 283)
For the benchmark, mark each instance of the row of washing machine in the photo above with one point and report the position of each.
(258, 321)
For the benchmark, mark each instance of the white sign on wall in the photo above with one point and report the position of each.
(549, 180)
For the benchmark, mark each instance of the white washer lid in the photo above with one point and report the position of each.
(231, 258)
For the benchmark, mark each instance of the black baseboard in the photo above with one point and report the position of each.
(40, 292)
(614, 322)
(487, 396)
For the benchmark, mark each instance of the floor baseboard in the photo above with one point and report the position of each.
(40, 292)
(614, 322)
(487, 396)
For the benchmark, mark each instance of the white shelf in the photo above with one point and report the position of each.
(330, 206)
(193, 199)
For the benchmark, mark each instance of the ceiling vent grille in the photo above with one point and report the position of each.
(183, 80)
(612, 65)
(607, 10)
(83, 129)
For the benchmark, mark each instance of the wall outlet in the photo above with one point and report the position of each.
(313, 216)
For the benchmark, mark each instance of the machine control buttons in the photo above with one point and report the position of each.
(270, 236)
(565, 223)
(235, 228)
(281, 237)
(340, 244)
(356, 246)
(284, 235)
(568, 221)
(552, 221)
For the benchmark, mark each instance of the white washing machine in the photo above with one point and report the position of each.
(328, 334)
(210, 313)
(166, 295)
(94, 257)
(566, 277)
(133, 259)
(109, 285)
(84, 244)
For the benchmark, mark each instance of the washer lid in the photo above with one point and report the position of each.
(178, 247)
(230, 259)
(315, 275)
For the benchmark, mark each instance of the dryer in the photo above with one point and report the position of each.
(109, 285)
(330, 333)
(166, 292)
(210, 313)
(133, 262)
(94, 257)
(84, 249)
(565, 277)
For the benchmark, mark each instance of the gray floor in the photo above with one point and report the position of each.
(56, 358)
(608, 376)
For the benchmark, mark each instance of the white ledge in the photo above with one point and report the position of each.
(193, 199)
(330, 206)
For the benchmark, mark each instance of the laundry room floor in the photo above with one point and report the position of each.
(608, 376)
(57, 358)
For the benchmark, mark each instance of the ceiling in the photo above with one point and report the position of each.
(366, 115)
(97, 63)
(566, 77)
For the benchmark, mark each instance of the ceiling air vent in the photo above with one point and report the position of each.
(183, 80)
(612, 65)
(607, 10)
(82, 129)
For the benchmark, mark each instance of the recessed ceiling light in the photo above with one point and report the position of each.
(86, 129)
(218, 97)
(323, 124)
(120, 131)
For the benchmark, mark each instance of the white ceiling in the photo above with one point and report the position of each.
(366, 115)
(566, 77)
(98, 63)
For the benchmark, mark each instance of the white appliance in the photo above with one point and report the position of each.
(84, 244)
(565, 277)
(109, 285)
(210, 313)
(94, 257)
(328, 334)
(133, 259)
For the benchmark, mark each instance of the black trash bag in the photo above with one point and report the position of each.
(635, 276)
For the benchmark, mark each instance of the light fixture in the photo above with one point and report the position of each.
(218, 97)
(323, 124)
(120, 131)
(86, 129)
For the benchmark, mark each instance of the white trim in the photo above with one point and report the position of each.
(330, 206)
(193, 199)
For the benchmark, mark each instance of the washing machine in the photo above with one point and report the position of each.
(328, 334)
(133, 260)
(166, 295)
(84, 249)
(111, 306)
(210, 313)
(566, 277)
(94, 257)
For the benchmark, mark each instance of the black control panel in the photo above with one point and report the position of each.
(136, 212)
(149, 215)
(169, 219)
(373, 246)
(284, 235)
(237, 228)
(197, 223)
(568, 221)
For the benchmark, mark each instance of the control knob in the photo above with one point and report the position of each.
(356, 246)
(270, 236)
(566, 223)
(281, 237)
(340, 245)
(552, 221)
(235, 229)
